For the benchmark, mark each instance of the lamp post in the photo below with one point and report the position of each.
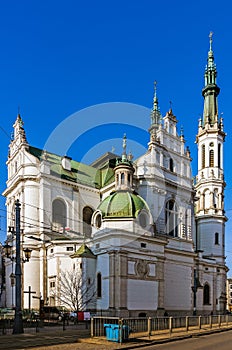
(18, 320)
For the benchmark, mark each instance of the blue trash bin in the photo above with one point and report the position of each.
(113, 332)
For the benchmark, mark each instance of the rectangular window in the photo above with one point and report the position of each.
(52, 284)
(69, 249)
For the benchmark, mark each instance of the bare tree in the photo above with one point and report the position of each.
(75, 292)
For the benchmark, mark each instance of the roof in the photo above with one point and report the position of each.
(122, 204)
(105, 158)
(83, 252)
(80, 173)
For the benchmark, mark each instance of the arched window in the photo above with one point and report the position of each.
(98, 220)
(87, 216)
(206, 199)
(171, 217)
(203, 157)
(211, 158)
(219, 155)
(99, 285)
(215, 198)
(206, 294)
(216, 238)
(122, 179)
(59, 217)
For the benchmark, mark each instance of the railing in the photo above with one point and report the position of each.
(146, 327)
(37, 325)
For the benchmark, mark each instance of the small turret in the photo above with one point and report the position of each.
(124, 170)
(18, 137)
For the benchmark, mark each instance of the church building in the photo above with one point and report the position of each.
(127, 237)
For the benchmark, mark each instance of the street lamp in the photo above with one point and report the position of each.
(8, 252)
(18, 321)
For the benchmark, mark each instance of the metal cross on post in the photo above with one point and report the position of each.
(29, 296)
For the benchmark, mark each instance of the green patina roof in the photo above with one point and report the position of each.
(122, 204)
(83, 252)
(80, 173)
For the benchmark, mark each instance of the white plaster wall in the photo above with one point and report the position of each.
(178, 286)
(142, 295)
(103, 267)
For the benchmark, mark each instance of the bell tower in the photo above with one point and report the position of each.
(210, 184)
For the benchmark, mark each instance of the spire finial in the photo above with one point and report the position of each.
(210, 40)
(124, 144)
(155, 89)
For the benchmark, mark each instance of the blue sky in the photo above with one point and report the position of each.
(58, 57)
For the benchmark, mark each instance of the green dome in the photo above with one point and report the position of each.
(122, 204)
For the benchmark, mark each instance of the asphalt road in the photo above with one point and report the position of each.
(217, 341)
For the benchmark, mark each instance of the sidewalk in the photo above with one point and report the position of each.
(75, 339)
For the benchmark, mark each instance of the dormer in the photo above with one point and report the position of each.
(66, 163)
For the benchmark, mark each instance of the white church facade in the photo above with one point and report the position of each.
(141, 236)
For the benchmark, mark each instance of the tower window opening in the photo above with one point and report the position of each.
(211, 158)
(215, 199)
(216, 238)
(203, 156)
(219, 155)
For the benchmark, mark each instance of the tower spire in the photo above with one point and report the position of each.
(155, 114)
(211, 90)
(210, 183)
